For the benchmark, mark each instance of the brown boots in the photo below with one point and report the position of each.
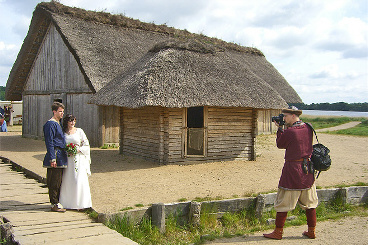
(280, 221)
(311, 221)
(276, 234)
(310, 233)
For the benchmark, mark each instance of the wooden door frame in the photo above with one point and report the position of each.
(185, 134)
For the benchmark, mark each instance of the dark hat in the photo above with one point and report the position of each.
(292, 110)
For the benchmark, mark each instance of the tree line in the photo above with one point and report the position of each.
(2, 92)
(338, 106)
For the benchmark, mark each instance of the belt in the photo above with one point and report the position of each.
(301, 159)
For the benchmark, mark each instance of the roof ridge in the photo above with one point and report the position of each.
(119, 20)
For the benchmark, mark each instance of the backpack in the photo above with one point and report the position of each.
(320, 158)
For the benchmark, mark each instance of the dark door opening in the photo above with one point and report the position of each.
(195, 132)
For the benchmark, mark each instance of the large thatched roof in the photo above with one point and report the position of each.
(107, 45)
(185, 74)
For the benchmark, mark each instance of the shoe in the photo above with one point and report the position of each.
(276, 234)
(58, 208)
(311, 233)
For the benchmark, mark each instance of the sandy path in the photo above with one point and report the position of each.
(343, 126)
(351, 230)
(120, 181)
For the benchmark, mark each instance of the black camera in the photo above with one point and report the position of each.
(279, 119)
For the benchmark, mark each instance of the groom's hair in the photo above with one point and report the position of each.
(56, 105)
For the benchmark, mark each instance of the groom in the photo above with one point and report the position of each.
(55, 159)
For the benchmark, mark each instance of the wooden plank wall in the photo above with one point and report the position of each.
(87, 116)
(140, 132)
(174, 132)
(55, 74)
(156, 134)
(264, 124)
(55, 69)
(230, 133)
(111, 124)
(36, 111)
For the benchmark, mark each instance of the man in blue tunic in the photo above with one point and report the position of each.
(56, 158)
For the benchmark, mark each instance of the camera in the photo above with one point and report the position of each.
(279, 119)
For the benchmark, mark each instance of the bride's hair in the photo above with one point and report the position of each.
(66, 119)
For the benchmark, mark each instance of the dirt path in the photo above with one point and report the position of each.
(351, 230)
(121, 181)
(342, 126)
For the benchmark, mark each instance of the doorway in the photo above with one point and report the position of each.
(195, 136)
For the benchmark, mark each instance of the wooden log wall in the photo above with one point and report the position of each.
(158, 134)
(140, 132)
(230, 133)
(111, 124)
(175, 135)
(56, 74)
(264, 124)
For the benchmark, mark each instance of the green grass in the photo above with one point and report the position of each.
(229, 225)
(109, 146)
(359, 130)
(127, 208)
(326, 122)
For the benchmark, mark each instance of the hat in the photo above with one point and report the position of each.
(292, 110)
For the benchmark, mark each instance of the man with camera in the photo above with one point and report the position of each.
(296, 183)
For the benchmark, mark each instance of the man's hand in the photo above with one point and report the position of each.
(53, 164)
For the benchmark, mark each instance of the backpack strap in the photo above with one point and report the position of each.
(310, 125)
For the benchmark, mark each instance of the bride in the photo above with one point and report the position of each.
(75, 192)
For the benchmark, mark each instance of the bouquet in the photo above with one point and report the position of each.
(71, 149)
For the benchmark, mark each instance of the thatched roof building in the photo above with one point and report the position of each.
(104, 45)
(144, 76)
(189, 73)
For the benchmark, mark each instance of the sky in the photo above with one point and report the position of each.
(319, 46)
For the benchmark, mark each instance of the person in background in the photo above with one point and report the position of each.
(3, 127)
(296, 183)
(55, 159)
(75, 191)
(8, 109)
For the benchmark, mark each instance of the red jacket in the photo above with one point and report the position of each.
(298, 141)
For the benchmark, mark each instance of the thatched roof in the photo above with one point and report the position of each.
(186, 74)
(107, 45)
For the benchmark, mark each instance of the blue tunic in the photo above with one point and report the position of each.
(55, 145)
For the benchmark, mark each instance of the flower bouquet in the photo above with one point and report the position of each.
(71, 149)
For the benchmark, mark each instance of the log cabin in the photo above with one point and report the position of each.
(187, 101)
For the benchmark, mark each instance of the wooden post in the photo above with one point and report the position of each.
(158, 216)
(195, 213)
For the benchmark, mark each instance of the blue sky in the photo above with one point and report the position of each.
(320, 47)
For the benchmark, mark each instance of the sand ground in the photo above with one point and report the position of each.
(119, 181)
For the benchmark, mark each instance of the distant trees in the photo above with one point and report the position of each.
(339, 106)
(2, 92)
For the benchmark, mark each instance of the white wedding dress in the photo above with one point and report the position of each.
(75, 192)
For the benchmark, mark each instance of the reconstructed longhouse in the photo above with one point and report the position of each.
(164, 94)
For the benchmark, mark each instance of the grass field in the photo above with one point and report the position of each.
(326, 122)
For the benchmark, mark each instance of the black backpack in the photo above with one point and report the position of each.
(320, 158)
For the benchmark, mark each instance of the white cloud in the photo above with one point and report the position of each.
(316, 45)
